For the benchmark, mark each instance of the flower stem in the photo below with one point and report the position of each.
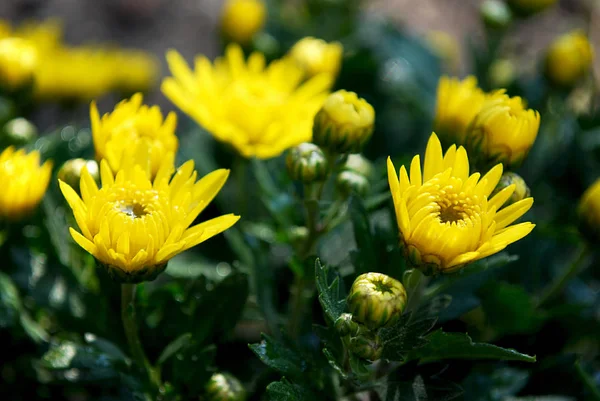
(131, 332)
(574, 268)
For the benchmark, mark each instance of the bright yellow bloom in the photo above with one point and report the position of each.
(458, 102)
(444, 215)
(569, 59)
(316, 56)
(24, 182)
(118, 134)
(589, 211)
(260, 111)
(503, 131)
(242, 19)
(530, 6)
(133, 225)
(18, 60)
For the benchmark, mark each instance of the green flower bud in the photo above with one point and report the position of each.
(19, 132)
(495, 14)
(349, 182)
(225, 387)
(521, 189)
(344, 124)
(345, 326)
(146, 273)
(70, 171)
(307, 163)
(376, 300)
(358, 164)
(367, 345)
(502, 73)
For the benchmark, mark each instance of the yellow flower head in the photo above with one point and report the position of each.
(458, 102)
(444, 215)
(18, 60)
(259, 110)
(503, 131)
(242, 19)
(24, 182)
(344, 124)
(118, 134)
(133, 225)
(135, 70)
(589, 211)
(569, 59)
(316, 56)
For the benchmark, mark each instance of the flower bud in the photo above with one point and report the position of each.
(242, 19)
(588, 212)
(344, 124)
(569, 58)
(366, 345)
(345, 326)
(528, 7)
(495, 14)
(521, 189)
(358, 164)
(224, 387)
(307, 163)
(70, 171)
(315, 56)
(349, 182)
(18, 60)
(376, 300)
(19, 132)
(502, 132)
(502, 73)
(145, 273)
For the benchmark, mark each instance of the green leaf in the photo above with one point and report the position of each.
(105, 346)
(284, 390)
(10, 302)
(405, 336)
(442, 345)
(192, 367)
(280, 356)
(330, 296)
(365, 257)
(398, 387)
(173, 347)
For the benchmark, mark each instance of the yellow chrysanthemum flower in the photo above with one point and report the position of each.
(133, 225)
(444, 215)
(135, 70)
(118, 134)
(458, 102)
(315, 56)
(242, 19)
(589, 211)
(24, 182)
(569, 59)
(503, 131)
(260, 111)
(18, 61)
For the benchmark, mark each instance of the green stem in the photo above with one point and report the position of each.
(415, 294)
(587, 382)
(131, 332)
(559, 282)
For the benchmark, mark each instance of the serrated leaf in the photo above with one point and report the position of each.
(331, 299)
(441, 345)
(284, 390)
(405, 336)
(279, 356)
(173, 347)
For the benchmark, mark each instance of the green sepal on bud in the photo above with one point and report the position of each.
(376, 300)
(521, 189)
(307, 163)
(70, 171)
(146, 273)
(346, 326)
(344, 124)
(348, 182)
(224, 387)
(366, 345)
(18, 132)
(495, 14)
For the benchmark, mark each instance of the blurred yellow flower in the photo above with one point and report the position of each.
(503, 131)
(242, 19)
(530, 6)
(315, 56)
(133, 225)
(45, 35)
(458, 102)
(445, 47)
(18, 60)
(259, 110)
(117, 135)
(135, 70)
(589, 211)
(24, 182)
(444, 215)
(569, 59)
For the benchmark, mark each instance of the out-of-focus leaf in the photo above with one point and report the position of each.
(173, 347)
(442, 345)
(404, 336)
(417, 388)
(365, 257)
(331, 299)
(282, 357)
(188, 265)
(498, 386)
(191, 367)
(105, 346)
(284, 390)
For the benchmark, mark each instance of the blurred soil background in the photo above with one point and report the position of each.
(191, 27)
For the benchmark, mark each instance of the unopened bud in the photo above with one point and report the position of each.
(376, 300)
(70, 171)
(521, 189)
(357, 163)
(307, 163)
(349, 182)
(495, 14)
(18, 132)
(225, 387)
(367, 345)
(345, 326)
(588, 212)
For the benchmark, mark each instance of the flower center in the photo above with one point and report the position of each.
(381, 286)
(134, 210)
